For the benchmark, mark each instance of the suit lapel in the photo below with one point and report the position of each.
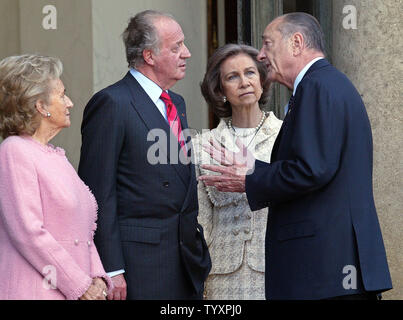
(181, 110)
(274, 151)
(180, 107)
(142, 103)
(191, 195)
(153, 119)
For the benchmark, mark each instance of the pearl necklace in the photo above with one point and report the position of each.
(256, 129)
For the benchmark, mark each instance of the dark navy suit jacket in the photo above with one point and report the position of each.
(322, 224)
(147, 219)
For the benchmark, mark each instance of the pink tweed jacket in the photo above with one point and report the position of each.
(47, 224)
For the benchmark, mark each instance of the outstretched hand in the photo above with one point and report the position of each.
(235, 167)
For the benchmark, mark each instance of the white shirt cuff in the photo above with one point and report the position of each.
(115, 273)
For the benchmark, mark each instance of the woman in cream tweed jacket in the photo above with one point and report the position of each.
(235, 235)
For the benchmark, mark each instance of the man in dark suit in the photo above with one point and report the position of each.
(148, 236)
(323, 238)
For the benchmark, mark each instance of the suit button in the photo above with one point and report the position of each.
(165, 184)
(235, 232)
(76, 242)
(246, 231)
(89, 243)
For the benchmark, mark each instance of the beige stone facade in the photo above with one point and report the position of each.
(371, 56)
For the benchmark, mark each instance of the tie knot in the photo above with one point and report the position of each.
(165, 97)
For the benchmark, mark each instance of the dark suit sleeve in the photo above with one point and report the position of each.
(102, 138)
(315, 142)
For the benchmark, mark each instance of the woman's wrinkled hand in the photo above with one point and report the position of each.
(96, 291)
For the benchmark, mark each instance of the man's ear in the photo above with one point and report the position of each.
(148, 56)
(297, 43)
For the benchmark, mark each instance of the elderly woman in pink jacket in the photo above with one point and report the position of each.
(47, 214)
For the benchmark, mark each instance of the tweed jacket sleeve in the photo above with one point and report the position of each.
(205, 216)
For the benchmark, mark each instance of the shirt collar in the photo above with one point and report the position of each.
(150, 87)
(302, 73)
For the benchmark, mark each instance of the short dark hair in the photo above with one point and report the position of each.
(141, 34)
(211, 85)
(307, 25)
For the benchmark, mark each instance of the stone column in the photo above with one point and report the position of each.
(371, 56)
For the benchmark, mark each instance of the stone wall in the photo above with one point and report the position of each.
(371, 56)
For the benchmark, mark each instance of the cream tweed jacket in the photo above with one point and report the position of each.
(230, 227)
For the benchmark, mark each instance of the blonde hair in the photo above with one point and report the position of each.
(24, 80)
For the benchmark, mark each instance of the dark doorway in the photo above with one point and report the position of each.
(237, 30)
(298, 6)
(231, 21)
(232, 15)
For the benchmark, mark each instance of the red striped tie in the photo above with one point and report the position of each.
(173, 120)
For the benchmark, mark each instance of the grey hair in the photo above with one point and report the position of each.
(24, 80)
(141, 35)
(307, 25)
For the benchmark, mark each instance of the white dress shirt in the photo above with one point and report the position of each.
(152, 89)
